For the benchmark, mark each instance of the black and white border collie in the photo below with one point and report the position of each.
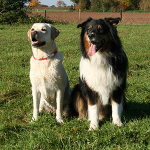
(103, 72)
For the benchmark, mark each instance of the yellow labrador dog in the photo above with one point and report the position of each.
(50, 85)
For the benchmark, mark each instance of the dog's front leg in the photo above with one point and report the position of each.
(59, 100)
(36, 102)
(116, 112)
(93, 116)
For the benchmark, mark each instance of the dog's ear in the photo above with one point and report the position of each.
(84, 23)
(112, 21)
(54, 32)
(29, 34)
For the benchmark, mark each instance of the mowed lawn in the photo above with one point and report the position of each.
(16, 130)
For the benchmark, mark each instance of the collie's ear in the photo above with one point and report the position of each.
(54, 32)
(111, 24)
(29, 34)
(84, 23)
(112, 21)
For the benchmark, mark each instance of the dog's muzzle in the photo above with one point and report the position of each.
(35, 41)
(96, 43)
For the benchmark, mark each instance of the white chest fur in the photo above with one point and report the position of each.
(47, 75)
(45, 69)
(98, 74)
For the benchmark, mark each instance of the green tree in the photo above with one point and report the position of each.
(109, 5)
(135, 4)
(81, 5)
(88, 3)
(113, 5)
(97, 5)
(144, 4)
(10, 10)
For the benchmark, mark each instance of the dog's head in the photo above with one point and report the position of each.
(42, 34)
(98, 34)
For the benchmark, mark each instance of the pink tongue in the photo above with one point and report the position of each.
(92, 49)
(35, 42)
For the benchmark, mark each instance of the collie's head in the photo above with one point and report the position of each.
(99, 35)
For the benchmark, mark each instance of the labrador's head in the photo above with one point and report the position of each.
(42, 34)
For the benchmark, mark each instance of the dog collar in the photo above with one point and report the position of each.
(46, 57)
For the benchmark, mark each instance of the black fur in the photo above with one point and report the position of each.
(117, 59)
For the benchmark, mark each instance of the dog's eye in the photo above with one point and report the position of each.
(100, 30)
(43, 29)
(32, 29)
(88, 30)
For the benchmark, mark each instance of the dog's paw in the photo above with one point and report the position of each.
(33, 119)
(60, 120)
(118, 122)
(101, 117)
(93, 127)
(80, 119)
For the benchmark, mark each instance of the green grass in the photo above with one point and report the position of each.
(50, 10)
(16, 131)
(57, 10)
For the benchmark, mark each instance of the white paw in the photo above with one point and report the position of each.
(118, 122)
(33, 119)
(40, 110)
(59, 120)
(93, 127)
(101, 117)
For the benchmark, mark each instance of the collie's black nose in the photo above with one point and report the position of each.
(91, 35)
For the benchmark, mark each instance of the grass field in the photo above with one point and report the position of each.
(49, 10)
(16, 130)
(56, 10)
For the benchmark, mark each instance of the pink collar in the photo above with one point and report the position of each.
(46, 57)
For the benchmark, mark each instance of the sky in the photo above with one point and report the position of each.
(54, 2)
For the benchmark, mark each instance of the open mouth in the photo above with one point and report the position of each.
(37, 43)
(95, 46)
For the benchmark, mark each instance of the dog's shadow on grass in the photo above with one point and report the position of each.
(137, 110)
(133, 111)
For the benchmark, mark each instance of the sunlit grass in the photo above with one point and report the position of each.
(16, 131)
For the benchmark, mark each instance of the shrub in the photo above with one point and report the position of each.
(11, 10)
(10, 17)
(36, 18)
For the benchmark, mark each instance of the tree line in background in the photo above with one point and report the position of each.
(11, 10)
(36, 4)
(100, 5)
(111, 5)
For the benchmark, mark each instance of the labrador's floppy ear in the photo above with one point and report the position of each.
(84, 23)
(29, 34)
(54, 32)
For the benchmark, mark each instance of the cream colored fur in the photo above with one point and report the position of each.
(50, 85)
